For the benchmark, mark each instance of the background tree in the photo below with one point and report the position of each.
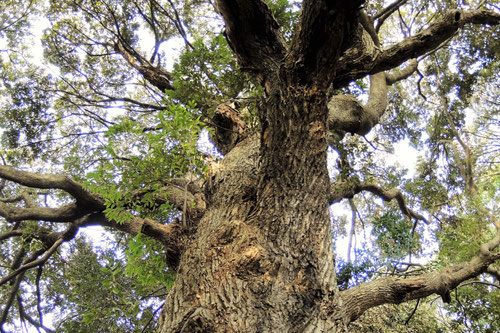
(104, 130)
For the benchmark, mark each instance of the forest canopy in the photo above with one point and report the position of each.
(237, 141)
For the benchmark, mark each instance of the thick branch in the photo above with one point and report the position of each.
(345, 112)
(325, 31)
(253, 34)
(89, 207)
(64, 183)
(432, 37)
(393, 290)
(66, 213)
(353, 65)
(87, 202)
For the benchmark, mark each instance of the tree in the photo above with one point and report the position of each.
(104, 132)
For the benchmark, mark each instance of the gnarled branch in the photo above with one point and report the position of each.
(346, 114)
(348, 191)
(88, 209)
(432, 37)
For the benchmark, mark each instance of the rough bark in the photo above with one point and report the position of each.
(229, 129)
(262, 257)
(253, 34)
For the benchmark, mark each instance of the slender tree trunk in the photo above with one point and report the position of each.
(262, 259)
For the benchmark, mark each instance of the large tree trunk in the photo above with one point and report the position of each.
(262, 259)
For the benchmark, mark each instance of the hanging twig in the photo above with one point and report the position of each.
(413, 312)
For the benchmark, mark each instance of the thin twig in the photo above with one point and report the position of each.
(151, 319)
(413, 312)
